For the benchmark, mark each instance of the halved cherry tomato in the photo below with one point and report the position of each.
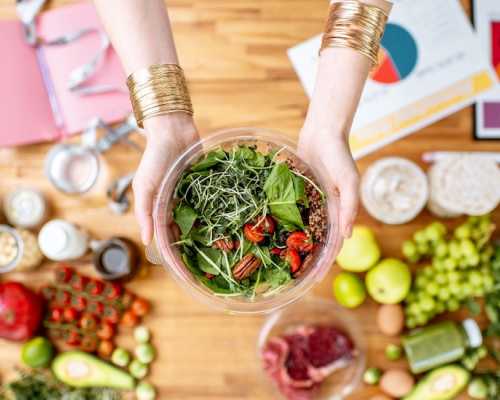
(300, 241)
(106, 331)
(267, 224)
(253, 233)
(56, 314)
(293, 258)
(70, 314)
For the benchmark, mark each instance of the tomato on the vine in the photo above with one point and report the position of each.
(56, 314)
(70, 314)
(88, 322)
(105, 348)
(140, 307)
(129, 319)
(73, 338)
(106, 331)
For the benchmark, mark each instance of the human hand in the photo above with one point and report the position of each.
(325, 149)
(167, 137)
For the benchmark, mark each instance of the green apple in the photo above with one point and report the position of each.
(389, 281)
(349, 290)
(360, 252)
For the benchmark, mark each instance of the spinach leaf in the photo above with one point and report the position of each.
(217, 284)
(201, 235)
(211, 159)
(275, 277)
(209, 260)
(184, 216)
(300, 191)
(280, 191)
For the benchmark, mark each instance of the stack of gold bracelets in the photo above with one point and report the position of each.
(355, 25)
(158, 90)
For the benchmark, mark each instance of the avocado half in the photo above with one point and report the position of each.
(79, 369)
(443, 383)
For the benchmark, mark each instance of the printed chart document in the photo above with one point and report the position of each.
(487, 23)
(430, 65)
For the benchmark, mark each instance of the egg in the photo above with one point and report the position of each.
(397, 382)
(390, 319)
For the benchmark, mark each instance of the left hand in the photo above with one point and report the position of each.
(325, 149)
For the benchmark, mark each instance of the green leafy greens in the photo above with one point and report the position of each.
(221, 193)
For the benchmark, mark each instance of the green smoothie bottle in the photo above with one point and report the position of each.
(440, 344)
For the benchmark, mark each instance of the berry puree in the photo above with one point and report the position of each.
(299, 361)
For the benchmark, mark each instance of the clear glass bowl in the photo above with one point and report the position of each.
(316, 311)
(167, 253)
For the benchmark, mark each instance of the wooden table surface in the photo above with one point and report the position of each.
(234, 53)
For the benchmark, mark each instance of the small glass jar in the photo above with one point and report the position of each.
(18, 250)
(440, 344)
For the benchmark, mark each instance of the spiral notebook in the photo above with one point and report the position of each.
(37, 104)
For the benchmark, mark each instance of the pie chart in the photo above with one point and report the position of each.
(397, 56)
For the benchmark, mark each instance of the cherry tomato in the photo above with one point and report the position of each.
(56, 334)
(73, 338)
(89, 343)
(111, 314)
(78, 282)
(276, 251)
(70, 314)
(56, 314)
(129, 319)
(140, 307)
(64, 273)
(63, 298)
(293, 258)
(94, 287)
(253, 233)
(88, 322)
(95, 307)
(268, 225)
(126, 299)
(112, 290)
(105, 348)
(79, 302)
(106, 331)
(300, 241)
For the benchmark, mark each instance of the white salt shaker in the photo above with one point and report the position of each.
(61, 240)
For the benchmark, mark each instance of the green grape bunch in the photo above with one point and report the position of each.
(458, 267)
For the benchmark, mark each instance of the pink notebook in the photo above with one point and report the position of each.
(39, 106)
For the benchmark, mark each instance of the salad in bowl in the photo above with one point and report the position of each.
(244, 223)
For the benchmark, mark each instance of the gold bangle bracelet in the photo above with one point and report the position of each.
(158, 90)
(355, 25)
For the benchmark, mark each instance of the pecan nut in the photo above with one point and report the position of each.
(246, 267)
(224, 245)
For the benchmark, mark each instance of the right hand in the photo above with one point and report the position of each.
(167, 137)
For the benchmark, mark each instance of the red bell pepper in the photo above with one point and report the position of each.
(21, 311)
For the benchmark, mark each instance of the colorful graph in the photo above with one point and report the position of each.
(397, 57)
(495, 45)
